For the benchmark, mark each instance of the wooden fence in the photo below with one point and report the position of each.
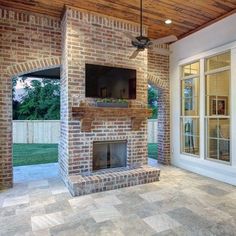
(152, 131)
(36, 131)
(48, 131)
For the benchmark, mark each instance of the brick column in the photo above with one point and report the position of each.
(28, 42)
(158, 76)
(64, 106)
(92, 38)
(163, 134)
(5, 131)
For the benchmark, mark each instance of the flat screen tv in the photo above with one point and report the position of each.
(110, 82)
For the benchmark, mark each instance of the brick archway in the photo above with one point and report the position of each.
(6, 168)
(34, 65)
(163, 134)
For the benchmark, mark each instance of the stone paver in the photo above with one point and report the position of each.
(181, 203)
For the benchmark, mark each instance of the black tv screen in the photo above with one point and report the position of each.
(110, 82)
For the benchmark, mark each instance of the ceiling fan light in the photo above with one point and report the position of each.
(168, 21)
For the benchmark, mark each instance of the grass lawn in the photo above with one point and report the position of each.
(32, 154)
(152, 150)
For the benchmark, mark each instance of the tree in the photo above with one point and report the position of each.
(152, 101)
(40, 102)
(15, 103)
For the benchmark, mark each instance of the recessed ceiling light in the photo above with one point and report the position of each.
(168, 21)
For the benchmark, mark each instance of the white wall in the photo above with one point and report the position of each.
(36, 131)
(215, 38)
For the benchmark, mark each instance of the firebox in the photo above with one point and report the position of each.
(109, 154)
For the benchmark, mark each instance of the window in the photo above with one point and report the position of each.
(217, 107)
(189, 120)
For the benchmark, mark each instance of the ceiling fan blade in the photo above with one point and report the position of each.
(162, 51)
(130, 36)
(134, 54)
(167, 39)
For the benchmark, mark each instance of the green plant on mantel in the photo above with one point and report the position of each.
(111, 100)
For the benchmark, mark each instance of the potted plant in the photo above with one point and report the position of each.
(111, 102)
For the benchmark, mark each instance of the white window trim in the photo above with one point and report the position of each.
(202, 57)
(182, 117)
(206, 117)
(209, 53)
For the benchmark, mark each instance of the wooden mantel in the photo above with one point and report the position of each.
(87, 114)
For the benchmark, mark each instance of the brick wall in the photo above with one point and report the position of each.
(27, 42)
(158, 76)
(31, 42)
(97, 39)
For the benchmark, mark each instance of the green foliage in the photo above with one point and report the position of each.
(14, 82)
(111, 100)
(40, 102)
(15, 109)
(152, 101)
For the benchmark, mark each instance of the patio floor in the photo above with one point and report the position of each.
(28, 173)
(182, 203)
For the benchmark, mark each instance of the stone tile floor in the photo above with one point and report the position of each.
(35, 172)
(182, 203)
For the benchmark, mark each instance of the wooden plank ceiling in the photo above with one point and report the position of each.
(187, 15)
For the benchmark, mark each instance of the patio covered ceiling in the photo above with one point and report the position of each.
(187, 15)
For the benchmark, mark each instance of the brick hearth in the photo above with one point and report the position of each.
(112, 179)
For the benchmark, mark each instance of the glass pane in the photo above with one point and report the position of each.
(224, 128)
(222, 106)
(210, 106)
(190, 107)
(187, 106)
(118, 154)
(218, 84)
(213, 148)
(224, 150)
(187, 88)
(190, 88)
(191, 69)
(109, 155)
(218, 61)
(217, 94)
(212, 128)
(190, 96)
(218, 135)
(190, 144)
(218, 128)
(190, 126)
(190, 135)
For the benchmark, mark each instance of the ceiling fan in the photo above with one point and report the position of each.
(141, 42)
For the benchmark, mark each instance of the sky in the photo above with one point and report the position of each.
(19, 89)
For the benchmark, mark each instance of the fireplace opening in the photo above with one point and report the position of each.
(109, 154)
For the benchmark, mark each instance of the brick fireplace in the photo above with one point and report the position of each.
(88, 38)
